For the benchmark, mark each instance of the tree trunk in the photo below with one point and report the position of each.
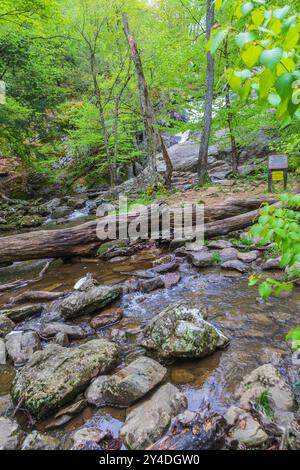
(234, 149)
(154, 141)
(83, 240)
(209, 94)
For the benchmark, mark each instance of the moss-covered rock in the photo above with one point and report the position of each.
(181, 331)
(6, 325)
(56, 375)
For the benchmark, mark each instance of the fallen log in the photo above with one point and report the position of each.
(232, 207)
(29, 296)
(82, 240)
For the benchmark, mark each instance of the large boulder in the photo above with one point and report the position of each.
(127, 385)
(89, 301)
(148, 421)
(181, 331)
(266, 387)
(21, 345)
(56, 375)
(10, 434)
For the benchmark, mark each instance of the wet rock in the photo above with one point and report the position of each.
(6, 405)
(248, 257)
(163, 260)
(268, 381)
(6, 325)
(127, 385)
(19, 314)
(151, 284)
(28, 221)
(87, 302)
(62, 339)
(10, 434)
(61, 211)
(21, 345)
(201, 430)
(236, 265)
(38, 441)
(53, 328)
(244, 430)
(171, 279)
(181, 331)
(271, 264)
(66, 414)
(228, 254)
(219, 244)
(56, 375)
(76, 202)
(115, 248)
(95, 439)
(107, 317)
(147, 422)
(2, 352)
(87, 435)
(85, 283)
(201, 259)
(166, 268)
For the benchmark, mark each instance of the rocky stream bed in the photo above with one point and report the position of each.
(148, 348)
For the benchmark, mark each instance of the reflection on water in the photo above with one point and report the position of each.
(257, 330)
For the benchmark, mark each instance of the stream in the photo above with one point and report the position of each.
(256, 329)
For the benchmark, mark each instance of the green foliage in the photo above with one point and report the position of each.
(216, 258)
(264, 404)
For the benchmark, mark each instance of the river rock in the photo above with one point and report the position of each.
(2, 352)
(10, 434)
(171, 279)
(6, 325)
(19, 314)
(148, 421)
(201, 259)
(271, 264)
(127, 385)
(181, 331)
(107, 317)
(236, 265)
(166, 267)
(163, 260)
(56, 375)
(244, 430)
(219, 244)
(62, 339)
(38, 441)
(21, 345)
(85, 283)
(61, 211)
(228, 254)
(248, 257)
(150, 285)
(87, 302)
(266, 379)
(53, 328)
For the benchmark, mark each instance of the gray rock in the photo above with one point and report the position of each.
(21, 345)
(148, 421)
(2, 352)
(219, 244)
(181, 331)
(271, 264)
(56, 375)
(6, 325)
(19, 314)
(85, 283)
(266, 379)
(244, 429)
(228, 254)
(201, 259)
(61, 211)
(127, 385)
(236, 265)
(248, 257)
(53, 328)
(87, 302)
(38, 441)
(87, 435)
(10, 434)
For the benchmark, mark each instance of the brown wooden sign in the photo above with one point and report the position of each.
(277, 169)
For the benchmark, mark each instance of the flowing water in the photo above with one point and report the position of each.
(257, 329)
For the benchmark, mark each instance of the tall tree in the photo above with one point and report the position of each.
(154, 140)
(209, 94)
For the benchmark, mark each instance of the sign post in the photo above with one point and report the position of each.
(277, 170)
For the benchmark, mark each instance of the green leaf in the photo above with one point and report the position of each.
(283, 85)
(265, 290)
(280, 13)
(216, 39)
(251, 55)
(269, 58)
(246, 8)
(243, 38)
(274, 99)
(266, 81)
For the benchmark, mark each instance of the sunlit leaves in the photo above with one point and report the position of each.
(269, 58)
